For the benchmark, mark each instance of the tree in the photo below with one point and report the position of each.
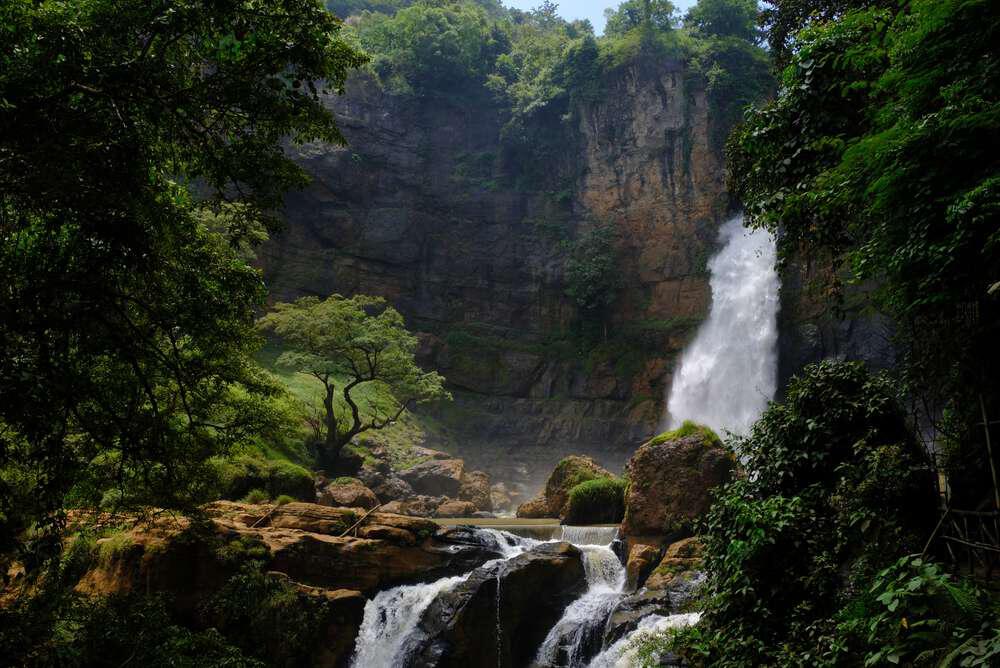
(724, 18)
(632, 14)
(350, 343)
(126, 320)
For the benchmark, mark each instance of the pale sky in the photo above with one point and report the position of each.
(588, 9)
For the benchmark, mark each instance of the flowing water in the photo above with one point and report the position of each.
(581, 630)
(621, 654)
(730, 371)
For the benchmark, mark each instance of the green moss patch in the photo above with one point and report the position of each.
(689, 428)
(597, 501)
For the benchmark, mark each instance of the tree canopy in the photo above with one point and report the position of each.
(724, 18)
(633, 14)
(346, 343)
(126, 319)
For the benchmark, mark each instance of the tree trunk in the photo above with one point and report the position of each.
(333, 443)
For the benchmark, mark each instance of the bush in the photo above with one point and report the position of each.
(283, 500)
(237, 477)
(597, 501)
(257, 496)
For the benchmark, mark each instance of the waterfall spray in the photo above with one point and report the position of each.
(730, 371)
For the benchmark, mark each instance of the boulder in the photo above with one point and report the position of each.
(415, 506)
(672, 478)
(455, 508)
(537, 508)
(528, 593)
(348, 493)
(569, 473)
(386, 486)
(682, 559)
(553, 501)
(642, 559)
(436, 477)
(475, 489)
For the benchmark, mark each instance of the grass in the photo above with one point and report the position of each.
(257, 496)
(113, 547)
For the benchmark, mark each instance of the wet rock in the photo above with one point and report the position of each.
(682, 559)
(634, 608)
(349, 493)
(671, 484)
(460, 628)
(642, 559)
(475, 488)
(436, 477)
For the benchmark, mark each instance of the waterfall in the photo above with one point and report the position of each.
(729, 372)
(622, 653)
(579, 632)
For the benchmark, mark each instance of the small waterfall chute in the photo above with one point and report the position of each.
(579, 632)
(729, 372)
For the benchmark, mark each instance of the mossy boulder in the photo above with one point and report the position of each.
(347, 492)
(568, 473)
(597, 501)
(672, 479)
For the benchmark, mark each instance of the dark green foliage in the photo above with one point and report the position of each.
(597, 501)
(851, 163)
(724, 18)
(632, 15)
(126, 315)
(838, 491)
(275, 477)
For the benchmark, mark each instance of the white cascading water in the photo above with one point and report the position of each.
(583, 620)
(393, 614)
(730, 371)
(622, 653)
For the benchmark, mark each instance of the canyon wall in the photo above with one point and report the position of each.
(429, 207)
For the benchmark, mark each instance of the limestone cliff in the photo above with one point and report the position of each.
(429, 207)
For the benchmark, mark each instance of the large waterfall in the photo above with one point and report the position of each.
(729, 372)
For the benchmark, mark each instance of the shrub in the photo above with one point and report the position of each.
(257, 496)
(597, 501)
(283, 500)
(237, 477)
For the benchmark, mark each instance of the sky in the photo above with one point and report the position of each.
(587, 9)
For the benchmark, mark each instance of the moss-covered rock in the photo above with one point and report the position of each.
(672, 478)
(568, 473)
(238, 476)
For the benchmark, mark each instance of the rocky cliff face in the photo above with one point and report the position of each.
(429, 207)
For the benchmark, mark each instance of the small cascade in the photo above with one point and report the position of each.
(391, 617)
(578, 635)
(589, 535)
(622, 653)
